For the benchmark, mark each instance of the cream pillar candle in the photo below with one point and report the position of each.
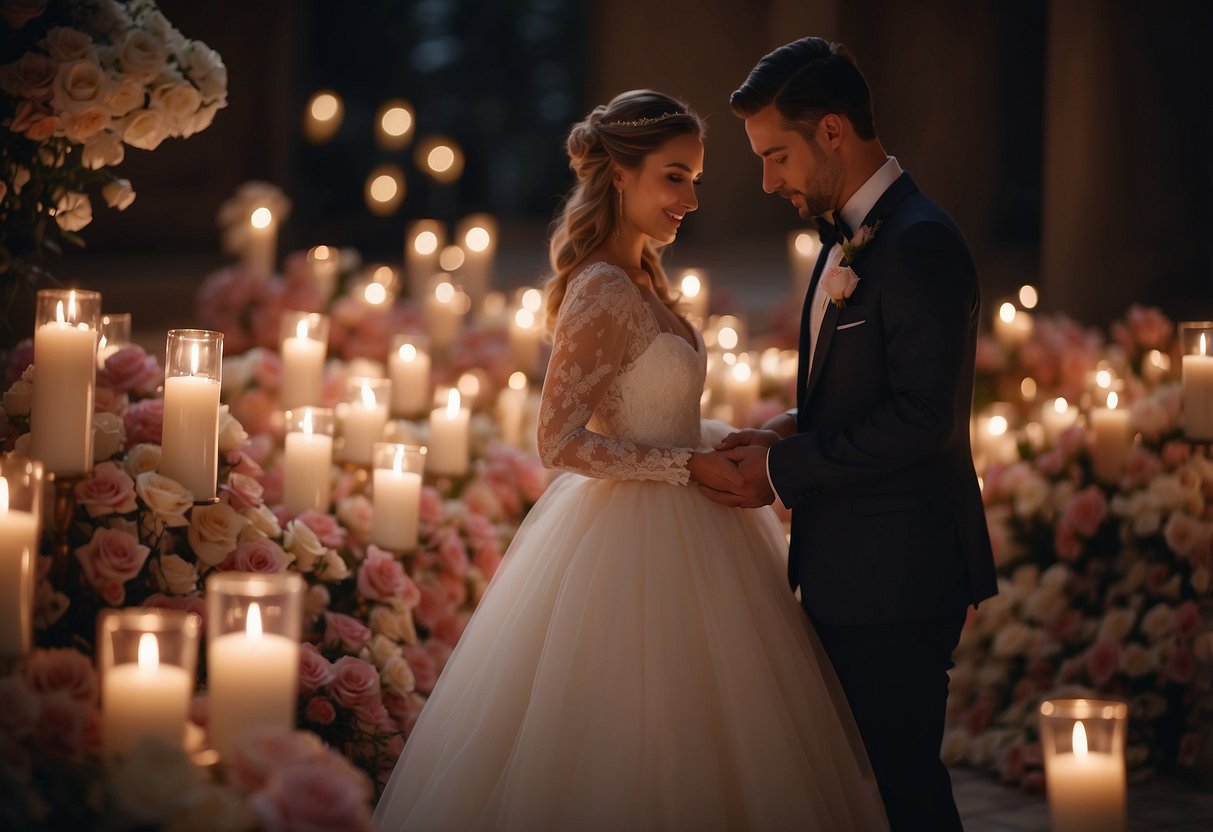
(190, 443)
(1012, 326)
(804, 247)
(477, 235)
(742, 386)
(365, 419)
(1198, 391)
(1111, 440)
(308, 460)
(324, 262)
(448, 448)
(1057, 416)
(261, 248)
(396, 485)
(304, 344)
(526, 339)
(65, 358)
(409, 370)
(144, 700)
(423, 240)
(693, 283)
(511, 409)
(444, 311)
(19, 524)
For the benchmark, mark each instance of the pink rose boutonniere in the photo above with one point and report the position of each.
(840, 281)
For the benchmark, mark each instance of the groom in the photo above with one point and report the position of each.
(889, 542)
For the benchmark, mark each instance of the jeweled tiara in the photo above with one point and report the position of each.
(643, 122)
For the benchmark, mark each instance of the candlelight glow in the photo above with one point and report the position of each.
(741, 371)
(1103, 378)
(440, 158)
(149, 652)
(1028, 296)
(324, 106)
(426, 243)
(252, 625)
(691, 285)
(301, 329)
(452, 404)
(4, 491)
(193, 359)
(477, 238)
(398, 460)
(1007, 312)
(451, 258)
(805, 244)
(1080, 739)
(445, 292)
(469, 386)
(375, 293)
(307, 421)
(59, 312)
(368, 396)
(532, 299)
(727, 338)
(396, 120)
(261, 218)
(1113, 400)
(1028, 388)
(525, 318)
(384, 190)
(998, 425)
(322, 253)
(770, 361)
(407, 352)
(1203, 348)
(1061, 405)
(71, 306)
(517, 380)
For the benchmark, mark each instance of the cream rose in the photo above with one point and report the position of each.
(205, 68)
(80, 126)
(142, 458)
(109, 434)
(1116, 625)
(168, 499)
(78, 86)
(102, 149)
(1166, 492)
(1158, 622)
(317, 600)
(145, 129)
(124, 97)
(334, 567)
(118, 194)
(214, 531)
(1012, 640)
(180, 101)
(142, 55)
(1181, 532)
(302, 542)
(1137, 661)
(73, 211)
(17, 398)
(232, 435)
(176, 576)
(262, 523)
(67, 44)
(154, 783)
(32, 76)
(201, 119)
(397, 676)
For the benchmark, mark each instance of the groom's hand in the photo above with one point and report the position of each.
(715, 472)
(751, 461)
(749, 436)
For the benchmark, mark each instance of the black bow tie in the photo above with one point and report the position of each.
(832, 232)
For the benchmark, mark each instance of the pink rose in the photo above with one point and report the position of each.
(325, 526)
(1086, 510)
(452, 553)
(260, 555)
(315, 671)
(131, 370)
(110, 490)
(271, 480)
(1143, 466)
(434, 605)
(262, 751)
(1102, 659)
(1066, 542)
(345, 631)
(244, 492)
(62, 727)
(320, 711)
(356, 682)
(309, 798)
(62, 669)
(449, 630)
(266, 369)
(404, 710)
(18, 707)
(259, 448)
(34, 120)
(839, 283)
(111, 559)
(381, 577)
(255, 410)
(144, 422)
(431, 506)
(425, 670)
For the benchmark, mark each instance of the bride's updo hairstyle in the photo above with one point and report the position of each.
(624, 132)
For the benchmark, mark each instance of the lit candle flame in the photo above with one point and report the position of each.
(301, 330)
(368, 396)
(998, 425)
(532, 299)
(1113, 400)
(1060, 405)
(517, 380)
(426, 242)
(445, 292)
(452, 404)
(252, 624)
(1028, 296)
(804, 244)
(451, 258)
(3, 496)
(59, 316)
(1080, 739)
(194, 360)
(1103, 378)
(741, 371)
(691, 285)
(477, 238)
(469, 385)
(261, 218)
(440, 158)
(1007, 312)
(375, 293)
(408, 352)
(71, 304)
(1203, 351)
(396, 121)
(324, 106)
(728, 338)
(525, 318)
(149, 652)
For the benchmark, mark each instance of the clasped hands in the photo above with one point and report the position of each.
(735, 474)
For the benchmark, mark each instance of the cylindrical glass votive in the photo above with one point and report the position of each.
(148, 661)
(115, 334)
(308, 459)
(65, 353)
(397, 495)
(253, 622)
(305, 337)
(1196, 339)
(364, 418)
(1084, 752)
(409, 369)
(20, 521)
(193, 370)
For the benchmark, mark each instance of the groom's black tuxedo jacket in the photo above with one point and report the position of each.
(887, 516)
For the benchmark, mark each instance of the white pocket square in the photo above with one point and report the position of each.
(841, 327)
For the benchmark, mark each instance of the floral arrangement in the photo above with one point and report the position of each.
(79, 82)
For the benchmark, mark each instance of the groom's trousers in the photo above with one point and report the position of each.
(895, 677)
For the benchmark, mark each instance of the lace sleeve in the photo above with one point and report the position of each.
(600, 316)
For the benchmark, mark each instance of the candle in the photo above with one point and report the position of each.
(526, 338)
(1111, 440)
(322, 117)
(1083, 744)
(396, 486)
(409, 370)
(423, 241)
(253, 624)
(1012, 327)
(693, 283)
(1198, 389)
(449, 429)
(20, 497)
(65, 355)
(304, 343)
(511, 408)
(261, 248)
(394, 124)
(804, 247)
(365, 419)
(741, 390)
(324, 263)
(444, 311)
(190, 441)
(477, 234)
(1057, 416)
(307, 466)
(144, 700)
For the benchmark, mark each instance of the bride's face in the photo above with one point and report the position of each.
(799, 170)
(658, 194)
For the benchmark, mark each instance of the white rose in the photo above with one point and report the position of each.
(1116, 625)
(102, 149)
(1044, 605)
(168, 499)
(214, 530)
(142, 56)
(1181, 532)
(1137, 661)
(262, 523)
(397, 676)
(1166, 492)
(145, 129)
(73, 211)
(334, 567)
(177, 576)
(180, 101)
(142, 458)
(317, 600)
(200, 120)
(109, 435)
(1012, 640)
(1031, 495)
(232, 435)
(1149, 417)
(125, 96)
(154, 783)
(83, 124)
(79, 85)
(302, 542)
(205, 68)
(1159, 621)
(17, 398)
(1056, 576)
(118, 194)
(67, 44)
(394, 621)
(157, 25)
(1147, 521)
(378, 650)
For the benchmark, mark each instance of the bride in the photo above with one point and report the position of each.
(637, 662)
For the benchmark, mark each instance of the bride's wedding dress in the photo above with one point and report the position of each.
(637, 662)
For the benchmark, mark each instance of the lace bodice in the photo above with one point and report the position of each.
(621, 398)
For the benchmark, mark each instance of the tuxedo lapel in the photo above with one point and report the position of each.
(802, 363)
(828, 321)
(902, 187)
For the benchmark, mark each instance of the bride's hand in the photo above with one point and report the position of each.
(715, 471)
(750, 436)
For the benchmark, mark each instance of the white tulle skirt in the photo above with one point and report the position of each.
(636, 664)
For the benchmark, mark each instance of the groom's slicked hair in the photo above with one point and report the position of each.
(805, 80)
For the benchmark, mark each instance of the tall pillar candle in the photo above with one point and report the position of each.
(396, 486)
(304, 345)
(742, 385)
(1197, 382)
(148, 661)
(1057, 416)
(422, 242)
(448, 448)
(65, 359)
(803, 249)
(477, 235)
(308, 460)
(261, 246)
(192, 382)
(364, 419)
(695, 288)
(409, 370)
(445, 307)
(511, 409)
(20, 520)
(526, 338)
(253, 624)
(1111, 440)
(1083, 743)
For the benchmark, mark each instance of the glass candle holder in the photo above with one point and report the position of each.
(308, 459)
(1196, 339)
(65, 348)
(396, 484)
(148, 661)
(305, 337)
(364, 418)
(253, 623)
(193, 370)
(1084, 752)
(20, 525)
(115, 333)
(409, 370)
